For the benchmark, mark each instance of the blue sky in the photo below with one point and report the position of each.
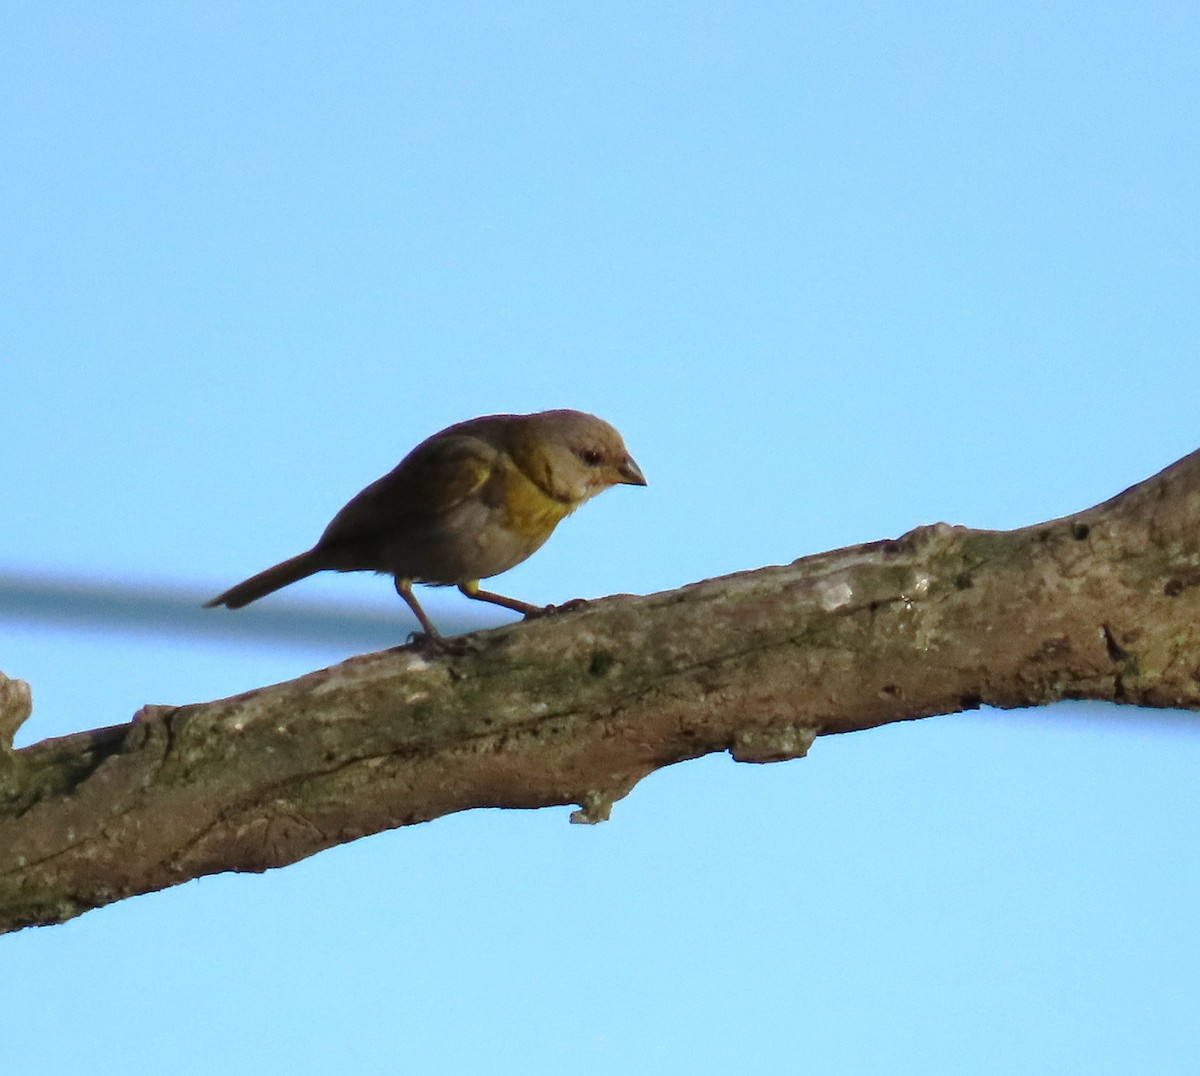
(834, 271)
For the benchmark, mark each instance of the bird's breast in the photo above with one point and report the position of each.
(529, 512)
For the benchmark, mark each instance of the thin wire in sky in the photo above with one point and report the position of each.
(93, 605)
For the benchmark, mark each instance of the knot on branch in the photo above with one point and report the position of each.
(16, 704)
(776, 743)
(596, 805)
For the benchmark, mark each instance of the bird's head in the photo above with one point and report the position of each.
(572, 455)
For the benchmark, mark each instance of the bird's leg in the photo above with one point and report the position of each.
(471, 589)
(404, 589)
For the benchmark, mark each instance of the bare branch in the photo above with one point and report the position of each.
(578, 708)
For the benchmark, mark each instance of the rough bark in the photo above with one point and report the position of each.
(577, 708)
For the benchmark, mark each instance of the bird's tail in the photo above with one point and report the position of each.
(257, 586)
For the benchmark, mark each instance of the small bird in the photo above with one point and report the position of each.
(467, 503)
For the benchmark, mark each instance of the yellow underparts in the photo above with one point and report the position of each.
(529, 511)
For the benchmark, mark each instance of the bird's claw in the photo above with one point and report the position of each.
(571, 606)
(441, 646)
(423, 640)
(554, 610)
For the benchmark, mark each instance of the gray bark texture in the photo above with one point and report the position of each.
(577, 708)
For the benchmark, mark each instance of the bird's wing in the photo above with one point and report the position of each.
(428, 483)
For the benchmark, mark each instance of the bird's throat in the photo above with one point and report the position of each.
(530, 510)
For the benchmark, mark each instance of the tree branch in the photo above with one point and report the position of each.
(578, 708)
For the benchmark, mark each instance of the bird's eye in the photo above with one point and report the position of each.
(589, 456)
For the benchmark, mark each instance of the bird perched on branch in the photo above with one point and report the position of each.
(467, 503)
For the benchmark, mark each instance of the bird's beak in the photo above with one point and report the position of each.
(630, 474)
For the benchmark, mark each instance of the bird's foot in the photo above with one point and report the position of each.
(554, 610)
(426, 642)
(441, 646)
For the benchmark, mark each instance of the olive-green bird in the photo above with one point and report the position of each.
(467, 503)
